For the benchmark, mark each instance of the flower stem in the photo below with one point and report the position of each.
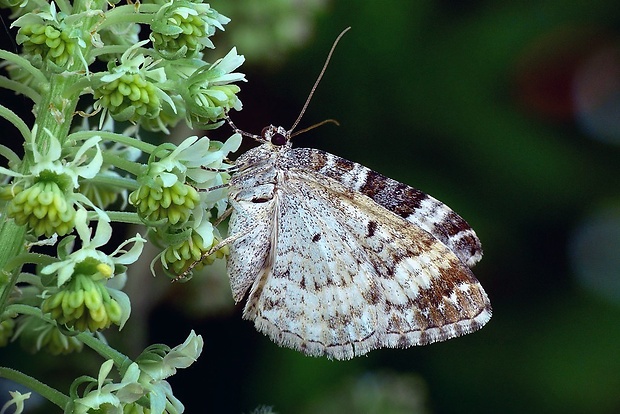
(114, 137)
(124, 164)
(24, 65)
(51, 394)
(13, 118)
(120, 217)
(55, 112)
(121, 360)
(20, 88)
(119, 182)
(102, 348)
(16, 262)
(9, 231)
(127, 14)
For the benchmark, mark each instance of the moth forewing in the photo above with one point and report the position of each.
(410, 203)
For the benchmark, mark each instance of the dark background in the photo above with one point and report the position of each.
(507, 112)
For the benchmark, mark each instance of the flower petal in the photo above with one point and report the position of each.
(81, 226)
(125, 304)
(94, 166)
(133, 254)
(102, 234)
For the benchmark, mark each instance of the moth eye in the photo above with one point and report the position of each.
(278, 139)
(261, 199)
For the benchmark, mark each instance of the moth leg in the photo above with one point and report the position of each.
(232, 168)
(243, 133)
(228, 240)
(206, 190)
(212, 249)
(223, 217)
(215, 187)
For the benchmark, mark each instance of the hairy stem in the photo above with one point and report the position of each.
(49, 393)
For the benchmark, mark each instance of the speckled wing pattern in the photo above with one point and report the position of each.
(340, 260)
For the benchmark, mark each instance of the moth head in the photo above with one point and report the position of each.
(278, 136)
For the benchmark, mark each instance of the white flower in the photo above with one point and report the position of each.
(49, 160)
(215, 193)
(112, 395)
(65, 268)
(133, 61)
(17, 400)
(181, 356)
(194, 153)
(163, 400)
(221, 72)
(188, 160)
(213, 157)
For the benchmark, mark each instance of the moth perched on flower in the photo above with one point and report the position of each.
(339, 260)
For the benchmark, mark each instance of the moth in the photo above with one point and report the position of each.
(337, 260)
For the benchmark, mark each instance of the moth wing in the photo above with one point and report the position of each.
(254, 224)
(344, 275)
(410, 203)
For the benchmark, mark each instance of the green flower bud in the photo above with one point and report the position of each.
(44, 208)
(209, 93)
(211, 103)
(48, 43)
(83, 304)
(7, 327)
(178, 257)
(129, 97)
(182, 28)
(37, 335)
(173, 203)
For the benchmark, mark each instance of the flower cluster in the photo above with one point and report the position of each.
(181, 29)
(143, 388)
(36, 334)
(51, 39)
(178, 189)
(78, 180)
(82, 300)
(84, 304)
(129, 91)
(45, 198)
(179, 256)
(173, 203)
(209, 94)
(150, 87)
(43, 206)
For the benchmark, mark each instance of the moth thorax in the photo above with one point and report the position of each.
(276, 135)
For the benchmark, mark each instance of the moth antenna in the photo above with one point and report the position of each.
(8, 32)
(327, 121)
(316, 83)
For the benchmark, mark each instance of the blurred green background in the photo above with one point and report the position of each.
(505, 111)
